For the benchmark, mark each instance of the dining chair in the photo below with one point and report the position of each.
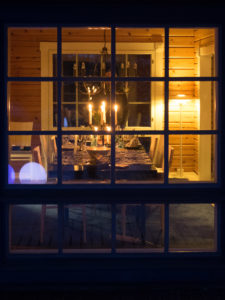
(153, 146)
(38, 158)
(20, 140)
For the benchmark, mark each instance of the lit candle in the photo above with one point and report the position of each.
(90, 113)
(89, 92)
(116, 109)
(103, 116)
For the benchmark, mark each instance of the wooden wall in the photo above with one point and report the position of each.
(184, 47)
(24, 59)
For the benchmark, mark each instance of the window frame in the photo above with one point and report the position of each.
(165, 132)
(48, 49)
(162, 193)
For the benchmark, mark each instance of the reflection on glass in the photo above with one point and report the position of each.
(139, 158)
(140, 104)
(87, 228)
(130, 65)
(25, 46)
(33, 159)
(192, 227)
(139, 52)
(86, 158)
(192, 105)
(139, 227)
(33, 228)
(192, 158)
(193, 52)
(85, 105)
(28, 108)
(86, 51)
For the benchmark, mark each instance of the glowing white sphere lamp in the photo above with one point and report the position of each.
(32, 173)
(11, 175)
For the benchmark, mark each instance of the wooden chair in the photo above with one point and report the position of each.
(19, 157)
(153, 146)
(37, 158)
(20, 140)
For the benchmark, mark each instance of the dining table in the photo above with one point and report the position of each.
(130, 163)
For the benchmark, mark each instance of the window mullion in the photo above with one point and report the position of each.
(59, 135)
(166, 87)
(113, 207)
(113, 101)
(166, 227)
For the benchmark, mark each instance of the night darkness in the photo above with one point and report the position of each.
(101, 276)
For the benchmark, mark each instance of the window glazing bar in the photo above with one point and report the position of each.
(113, 207)
(59, 140)
(166, 228)
(113, 101)
(166, 113)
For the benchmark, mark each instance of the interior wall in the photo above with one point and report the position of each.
(25, 60)
(182, 60)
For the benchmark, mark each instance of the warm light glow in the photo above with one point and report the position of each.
(181, 95)
(116, 107)
(103, 106)
(90, 113)
(180, 101)
(95, 128)
(103, 115)
(108, 128)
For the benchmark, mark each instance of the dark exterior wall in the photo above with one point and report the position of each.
(19, 273)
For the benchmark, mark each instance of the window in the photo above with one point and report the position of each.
(112, 107)
(145, 112)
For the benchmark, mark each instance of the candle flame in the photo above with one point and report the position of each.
(90, 107)
(108, 128)
(116, 107)
(96, 128)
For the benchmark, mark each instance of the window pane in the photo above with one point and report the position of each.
(139, 158)
(29, 105)
(86, 51)
(140, 105)
(33, 228)
(193, 105)
(193, 52)
(27, 55)
(139, 227)
(86, 158)
(140, 52)
(192, 227)
(86, 105)
(192, 158)
(32, 159)
(87, 228)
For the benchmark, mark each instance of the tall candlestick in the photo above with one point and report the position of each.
(116, 109)
(103, 116)
(90, 113)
